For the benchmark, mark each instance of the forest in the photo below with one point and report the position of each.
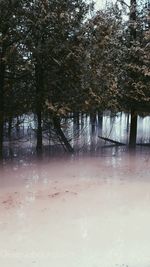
(66, 60)
(75, 133)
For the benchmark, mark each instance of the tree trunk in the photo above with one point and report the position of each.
(133, 5)
(128, 115)
(133, 129)
(76, 124)
(133, 125)
(1, 137)
(76, 119)
(39, 132)
(61, 135)
(9, 127)
(100, 119)
(39, 100)
(93, 122)
(2, 76)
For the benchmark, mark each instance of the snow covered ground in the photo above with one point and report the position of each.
(76, 212)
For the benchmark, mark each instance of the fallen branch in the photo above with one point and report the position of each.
(143, 144)
(112, 141)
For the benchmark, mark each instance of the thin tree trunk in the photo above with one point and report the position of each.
(1, 136)
(9, 127)
(128, 122)
(100, 119)
(76, 123)
(39, 99)
(2, 75)
(39, 132)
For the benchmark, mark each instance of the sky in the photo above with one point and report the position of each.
(101, 3)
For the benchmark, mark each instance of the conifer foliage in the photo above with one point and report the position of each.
(57, 57)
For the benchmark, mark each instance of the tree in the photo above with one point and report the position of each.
(104, 56)
(9, 40)
(53, 43)
(135, 72)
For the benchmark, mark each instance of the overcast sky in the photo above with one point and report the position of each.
(101, 3)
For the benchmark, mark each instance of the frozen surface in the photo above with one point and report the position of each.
(76, 212)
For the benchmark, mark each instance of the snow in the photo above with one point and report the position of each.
(76, 212)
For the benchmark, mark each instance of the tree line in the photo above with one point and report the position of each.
(64, 57)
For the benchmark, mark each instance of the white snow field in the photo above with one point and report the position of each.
(76, 212)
